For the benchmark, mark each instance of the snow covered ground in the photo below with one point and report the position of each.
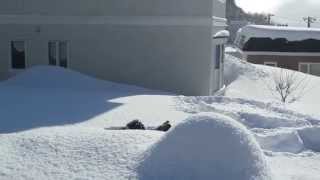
(248, 81)
(53, 127)
(289, 134)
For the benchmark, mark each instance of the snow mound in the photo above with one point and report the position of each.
(311, 138)
(250, 81)
(251, 113)
(73, 153)
(52, 77)
(203, 147)
(287, 141)
(271, 121)
(235, 68)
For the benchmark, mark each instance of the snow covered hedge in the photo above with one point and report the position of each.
(206, 146)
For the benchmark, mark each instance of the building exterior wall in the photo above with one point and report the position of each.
(164, 45)
(109, 7)
(288, 62)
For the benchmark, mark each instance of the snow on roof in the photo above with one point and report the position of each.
(222, 34)
(274, 32)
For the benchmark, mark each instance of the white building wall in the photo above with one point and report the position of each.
(219, 8)
(4, 48)
(168, 46)
(108, 7)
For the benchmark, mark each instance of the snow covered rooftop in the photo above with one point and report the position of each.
(274, 32)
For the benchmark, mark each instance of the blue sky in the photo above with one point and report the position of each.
(286, 11)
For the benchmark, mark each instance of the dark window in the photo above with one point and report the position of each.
(18, 57)
(63, 54)
(218, 57)
(52, 53)
(273, 64)
(58, 53)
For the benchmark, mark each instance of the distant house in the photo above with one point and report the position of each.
(287, 47)
(168, 45)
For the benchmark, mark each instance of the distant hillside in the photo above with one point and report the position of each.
(235, 13)
(237, 18)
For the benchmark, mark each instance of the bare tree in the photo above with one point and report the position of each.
(288, 86)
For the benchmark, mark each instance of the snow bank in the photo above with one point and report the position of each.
(271, 120)
(251, 113)
(311, 138)
(248, 81)
(73, 153)
(287, 141)
(230, 50)
(52, 77)
(46, 96)
(291, 140)
(235, 68)
(206, 146)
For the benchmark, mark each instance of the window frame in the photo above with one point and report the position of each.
(271, 63)
(219, 62)
(11, 69)
(57, 46)
(308, 66)
(55, 54)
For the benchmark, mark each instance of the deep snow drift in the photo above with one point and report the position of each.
(54, 78)
(250, 82)
(53, 120)
(311, 137)
(56, 130)
(73, 153)
(288, 134)
(206, 146)
(278, 127)
(50, 96)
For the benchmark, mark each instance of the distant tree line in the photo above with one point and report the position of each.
(235, 13)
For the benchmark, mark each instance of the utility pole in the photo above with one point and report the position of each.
(309, 20)
(269, 18)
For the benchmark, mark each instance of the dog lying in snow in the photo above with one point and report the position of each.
(138, 125)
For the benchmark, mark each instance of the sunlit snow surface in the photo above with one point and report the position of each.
(53, 124)
(289, 133)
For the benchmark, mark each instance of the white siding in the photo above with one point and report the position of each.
(166, 53)
(109, 7)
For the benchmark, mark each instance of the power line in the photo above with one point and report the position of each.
(290, 20)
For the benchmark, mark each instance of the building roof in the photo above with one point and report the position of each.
(275, 32)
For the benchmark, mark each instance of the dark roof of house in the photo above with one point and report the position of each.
(278, 39)
(281, 45)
